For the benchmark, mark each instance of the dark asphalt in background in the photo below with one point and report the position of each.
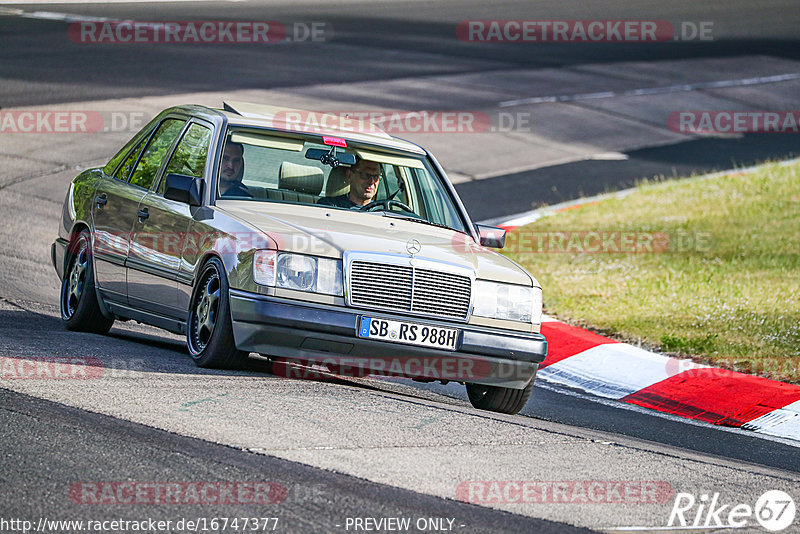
(524, 191)
(46, 445)
(39, 65)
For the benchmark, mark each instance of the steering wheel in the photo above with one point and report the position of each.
(386, 203)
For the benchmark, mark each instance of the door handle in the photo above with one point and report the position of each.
(101, 200)
(143, 214)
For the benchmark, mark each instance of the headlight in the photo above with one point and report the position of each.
(509, 302)
(298, 272)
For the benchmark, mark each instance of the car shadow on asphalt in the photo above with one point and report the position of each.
(35, 332)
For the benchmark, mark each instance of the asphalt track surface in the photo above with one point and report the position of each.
(56, 434)
(86, 441)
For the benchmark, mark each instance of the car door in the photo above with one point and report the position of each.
(113, 211)
(161, 227)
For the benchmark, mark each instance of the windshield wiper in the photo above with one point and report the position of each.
(419, 220)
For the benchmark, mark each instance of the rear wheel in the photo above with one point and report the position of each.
(80, 310)
(498, 399)
(210, 331)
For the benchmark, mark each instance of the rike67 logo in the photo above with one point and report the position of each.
(775, 511)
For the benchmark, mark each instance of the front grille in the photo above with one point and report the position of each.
(409, 289)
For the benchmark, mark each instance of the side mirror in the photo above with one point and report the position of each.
(186, 189)
(491, 236)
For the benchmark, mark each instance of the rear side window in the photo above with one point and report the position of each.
(145, 173)
(137, 140)
(190, 155)
(124, 172)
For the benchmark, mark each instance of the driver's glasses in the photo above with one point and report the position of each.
(368, 177)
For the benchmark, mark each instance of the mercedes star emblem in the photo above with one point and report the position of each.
(413, 246)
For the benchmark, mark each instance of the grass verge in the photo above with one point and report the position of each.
(707, 268)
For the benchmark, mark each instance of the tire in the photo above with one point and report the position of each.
(498, 399)
(209, 332)
(80, 310)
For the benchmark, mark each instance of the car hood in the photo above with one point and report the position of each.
(331, 232)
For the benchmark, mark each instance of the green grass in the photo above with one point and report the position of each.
(719, 282)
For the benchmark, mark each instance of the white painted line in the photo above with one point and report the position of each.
(666, 89)
(609, 156)
(64, 17)
(789, 427)
(771, 419)
(784, 422)
(614, 370)
(518, 221)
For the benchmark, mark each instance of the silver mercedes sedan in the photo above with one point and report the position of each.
(326, 244)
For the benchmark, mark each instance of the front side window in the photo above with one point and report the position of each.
(190, 155)
(145, 173)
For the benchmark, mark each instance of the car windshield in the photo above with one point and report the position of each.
(264, 167)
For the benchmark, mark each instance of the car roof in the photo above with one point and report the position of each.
(306, 121)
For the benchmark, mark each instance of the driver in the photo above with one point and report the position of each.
(232, 170)
(363, 178)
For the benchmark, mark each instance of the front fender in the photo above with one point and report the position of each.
(213, 233)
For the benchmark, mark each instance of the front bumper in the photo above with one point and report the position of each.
(326, 334)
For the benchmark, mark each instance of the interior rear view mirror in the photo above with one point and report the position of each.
(330, 157)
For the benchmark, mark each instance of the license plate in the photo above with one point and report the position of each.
(408, 333)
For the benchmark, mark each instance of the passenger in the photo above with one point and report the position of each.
(231, 172)
(363, 178)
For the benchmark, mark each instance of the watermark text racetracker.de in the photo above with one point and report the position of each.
(525, 241)
(68, 368)
(66, 121)
(582, 31)
(785, 368)
(197, 32)
(177, 493)
(564, 491)
(430, 368)
(398, 122)
(734, 121)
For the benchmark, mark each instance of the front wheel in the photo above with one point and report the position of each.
(80, 310)
(209, 334)
(498, 399)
